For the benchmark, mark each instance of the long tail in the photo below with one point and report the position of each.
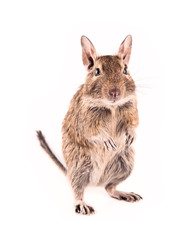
(47, 149)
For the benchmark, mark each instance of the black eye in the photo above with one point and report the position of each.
(125, 70)
(97, 72)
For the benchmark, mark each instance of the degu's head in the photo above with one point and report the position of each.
(108, 77)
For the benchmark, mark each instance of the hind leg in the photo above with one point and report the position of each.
(79, 179)
(80, 206)
(117, 172)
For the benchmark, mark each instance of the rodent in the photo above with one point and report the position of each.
(99, 127)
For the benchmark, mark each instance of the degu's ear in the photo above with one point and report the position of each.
(125, 49)
(88, 53)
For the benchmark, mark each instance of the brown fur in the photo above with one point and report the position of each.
(98, 129)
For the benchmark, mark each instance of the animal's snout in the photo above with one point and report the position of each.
(114, 92)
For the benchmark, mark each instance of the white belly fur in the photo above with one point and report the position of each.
(100, 157)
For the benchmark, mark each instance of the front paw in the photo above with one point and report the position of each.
(110, 144)
(129, 139)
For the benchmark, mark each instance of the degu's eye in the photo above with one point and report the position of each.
(97, 72)
(125, 70)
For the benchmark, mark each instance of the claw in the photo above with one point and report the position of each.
(106, 145)
(112, 144)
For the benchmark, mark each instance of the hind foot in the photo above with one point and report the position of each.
(83, 208)
(128, 197)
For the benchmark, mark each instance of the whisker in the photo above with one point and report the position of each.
(139, 69)
(143, 79)
(143, 86)
(140, 91)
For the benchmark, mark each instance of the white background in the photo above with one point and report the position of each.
(40, 70)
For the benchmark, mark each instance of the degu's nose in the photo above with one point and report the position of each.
(114, 92)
